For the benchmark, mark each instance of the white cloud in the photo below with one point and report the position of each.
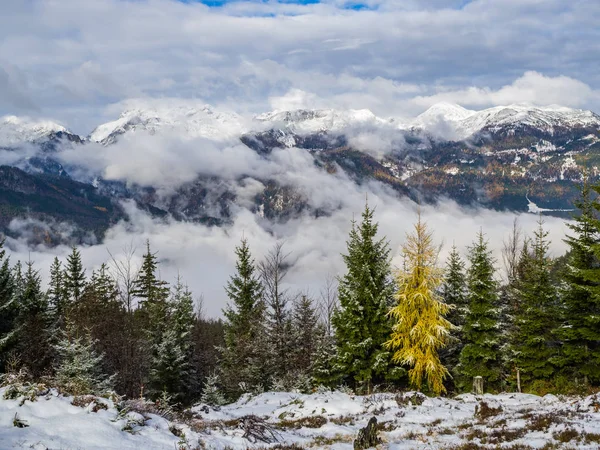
(532, 87)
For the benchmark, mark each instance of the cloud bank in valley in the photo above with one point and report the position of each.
(204, 255)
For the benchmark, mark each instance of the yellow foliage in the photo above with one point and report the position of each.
(420, 329)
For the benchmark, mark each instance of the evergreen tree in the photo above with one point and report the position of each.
(306, 336)
(211, 395)
(481, 354)
(365, 294)
(454, 292)
(166, 357)
(74, 278)
(182, 319)
(580, 330)
(100, 313)
(168, 366)
(147, 285)
(273, 270)
(420, 328)
(243, 357)
(7, 306)
(34, 324)
(78, 369)
(535, 346)
(56, 292)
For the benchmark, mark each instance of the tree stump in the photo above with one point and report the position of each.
(478, 385)
(367, 436)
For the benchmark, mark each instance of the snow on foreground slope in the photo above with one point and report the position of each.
(321, 420)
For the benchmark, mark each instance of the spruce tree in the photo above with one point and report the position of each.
(420, 329)
(78, 368)
(243, 357)
(8, 310)
(481, 354)
(34, 324)
(74, 277)
(57, 293)
(580, 330)
(211, 395)
(535, 346)
(273, 270)
(147, 286)
(182, 319)
(454, 292)
(365, 294)
(306, 336)
(165, 356)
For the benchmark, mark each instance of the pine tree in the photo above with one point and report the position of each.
(78, 369)
(273, 270)
(166, 358)
(7, 306)
(168, 366)
(243, 357)
(34, 324)
(420, 328)
(74, 278)
(481, 354)
(147, 285)
(56, 292)
(211, 395)
(306, 336)
(365, 294)
(182, 318)
(535, 346)
(454, 292)
(580, 330)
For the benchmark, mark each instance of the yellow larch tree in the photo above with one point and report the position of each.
(420, 328)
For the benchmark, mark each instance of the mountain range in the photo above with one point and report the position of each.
(518, 157)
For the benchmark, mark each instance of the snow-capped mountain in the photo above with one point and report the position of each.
(441, 112)
(186, 121)
(304, 121)
(289, 127)
(15, 131)
(503, 158)
(465, 123)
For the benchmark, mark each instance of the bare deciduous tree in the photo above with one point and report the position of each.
(511, 249)
(328, 303)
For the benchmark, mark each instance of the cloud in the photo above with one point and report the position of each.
(13, 90)
(204, 255)
(532, 87)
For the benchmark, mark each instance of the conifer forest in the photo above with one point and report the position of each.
(528, 323)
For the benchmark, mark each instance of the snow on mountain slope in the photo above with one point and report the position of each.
(18, 130)
(446, 112)
(465, 123)
(187, 121)
(320, 120)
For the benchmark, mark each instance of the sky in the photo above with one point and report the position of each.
(76, 61)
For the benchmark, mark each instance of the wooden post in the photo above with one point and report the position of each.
(518, 380)
(478, 385)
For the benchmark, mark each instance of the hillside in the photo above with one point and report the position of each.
(202, 160)
(320, 420)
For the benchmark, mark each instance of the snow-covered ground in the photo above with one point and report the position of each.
(320, 420)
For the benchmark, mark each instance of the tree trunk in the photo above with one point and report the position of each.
(518, 380)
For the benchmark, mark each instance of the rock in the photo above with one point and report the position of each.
(367, 436)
